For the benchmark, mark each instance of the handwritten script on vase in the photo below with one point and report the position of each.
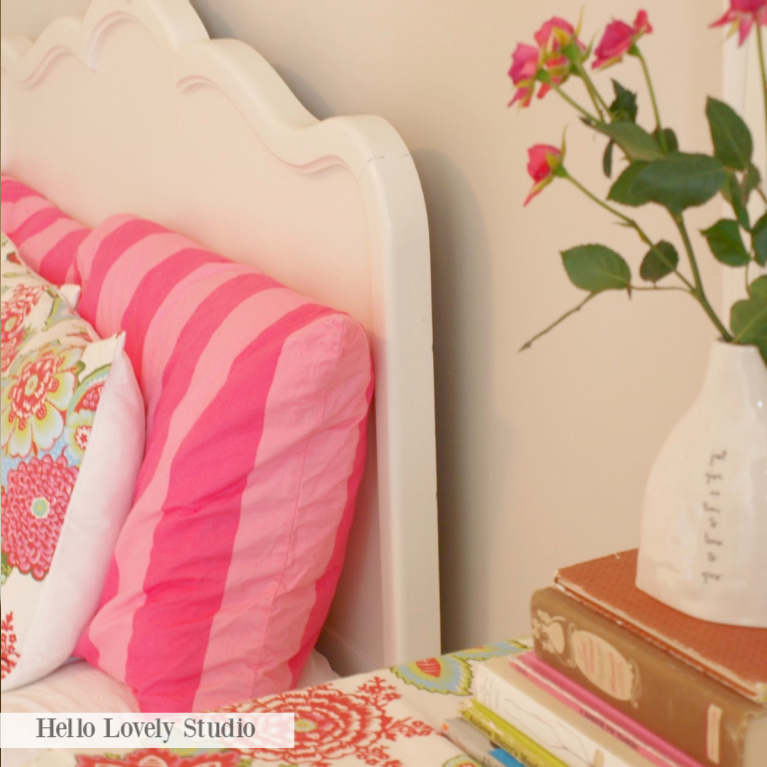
(713, 534)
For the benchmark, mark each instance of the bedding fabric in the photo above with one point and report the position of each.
(47, 239)
(77, 687)
(386, 718)
(71, 440)
(257, 402)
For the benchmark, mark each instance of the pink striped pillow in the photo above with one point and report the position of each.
(46, 238)
(256, 420)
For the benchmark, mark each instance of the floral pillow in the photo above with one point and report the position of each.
(71, 440)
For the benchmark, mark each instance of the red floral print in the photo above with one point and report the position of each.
(7, 646)
(34, 503)
(331, 724)
(9, 351)
(78, 432)
(12, 315)
(35, 399)
(10, 255)
(160, 757)
(90, 400)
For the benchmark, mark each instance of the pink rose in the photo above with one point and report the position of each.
(554, 34)
(528, 61)
(552, 38)
(543, 161)
(618, 39)
(742, 15)
(524, 69)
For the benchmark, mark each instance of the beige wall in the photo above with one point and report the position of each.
(542, 455)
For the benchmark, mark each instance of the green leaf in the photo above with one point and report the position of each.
(748, 318)
(607, 159)
(751, 180)
(624, 106)
(733, 193)
(672, 145)
(759, 240)
(660, 261)
(596, 268)
(758, 288)
(732, 139)
(634, 140)
(625, 188)
(726, 243)
(677, 182)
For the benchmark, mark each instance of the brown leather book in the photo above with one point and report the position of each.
(699, 715)
(734, 655)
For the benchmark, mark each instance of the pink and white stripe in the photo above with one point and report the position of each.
(46, 238)
(257, 403)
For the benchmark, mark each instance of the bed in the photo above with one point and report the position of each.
(198, 145)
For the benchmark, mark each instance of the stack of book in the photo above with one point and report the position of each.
(615, 678)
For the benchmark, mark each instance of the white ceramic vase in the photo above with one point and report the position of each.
(703, 536)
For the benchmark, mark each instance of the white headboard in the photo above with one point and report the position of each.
(134, 109)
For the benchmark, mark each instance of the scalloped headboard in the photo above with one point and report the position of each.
(134, 109)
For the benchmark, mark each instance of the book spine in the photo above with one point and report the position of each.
(476, 745)
(511, 740)
(697, 661)
(700, 716)
(622, 727)
(504, 689)
(607, 585)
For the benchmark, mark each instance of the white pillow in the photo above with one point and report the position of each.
(71, 442)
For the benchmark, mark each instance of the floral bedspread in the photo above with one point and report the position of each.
(386, 718)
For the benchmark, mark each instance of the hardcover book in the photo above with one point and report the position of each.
(735, 655)
(589, 706)
(692, 711)
(577, 741)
